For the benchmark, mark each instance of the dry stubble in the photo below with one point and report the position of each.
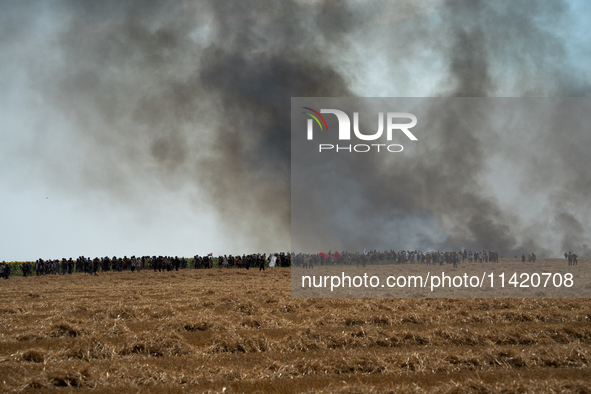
(206, 330)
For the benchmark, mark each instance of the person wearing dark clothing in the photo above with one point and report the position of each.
(261, 263)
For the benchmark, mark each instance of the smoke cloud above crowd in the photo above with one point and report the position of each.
(167, 124)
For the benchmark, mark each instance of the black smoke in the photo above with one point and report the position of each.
(444, 187)
(199, 94)
(196, 95)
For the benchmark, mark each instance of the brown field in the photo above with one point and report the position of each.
(234, 330)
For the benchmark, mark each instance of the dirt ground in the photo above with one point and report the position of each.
(234, 331)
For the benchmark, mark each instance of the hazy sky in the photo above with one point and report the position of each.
(162, 127)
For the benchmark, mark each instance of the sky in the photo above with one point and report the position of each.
(163, 127)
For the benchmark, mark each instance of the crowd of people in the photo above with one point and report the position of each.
(94, 266)
(393, 257)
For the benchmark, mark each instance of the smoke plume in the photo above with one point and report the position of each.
(192, 98)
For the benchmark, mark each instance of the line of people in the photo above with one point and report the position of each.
(169, 263)
(254, 260)
(95, 265)
(402, 257)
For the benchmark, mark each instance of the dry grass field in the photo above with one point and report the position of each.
(237, 331)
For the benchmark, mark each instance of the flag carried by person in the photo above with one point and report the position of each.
(336, 255)
(211, 254)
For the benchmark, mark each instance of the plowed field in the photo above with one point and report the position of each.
(230, 330)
